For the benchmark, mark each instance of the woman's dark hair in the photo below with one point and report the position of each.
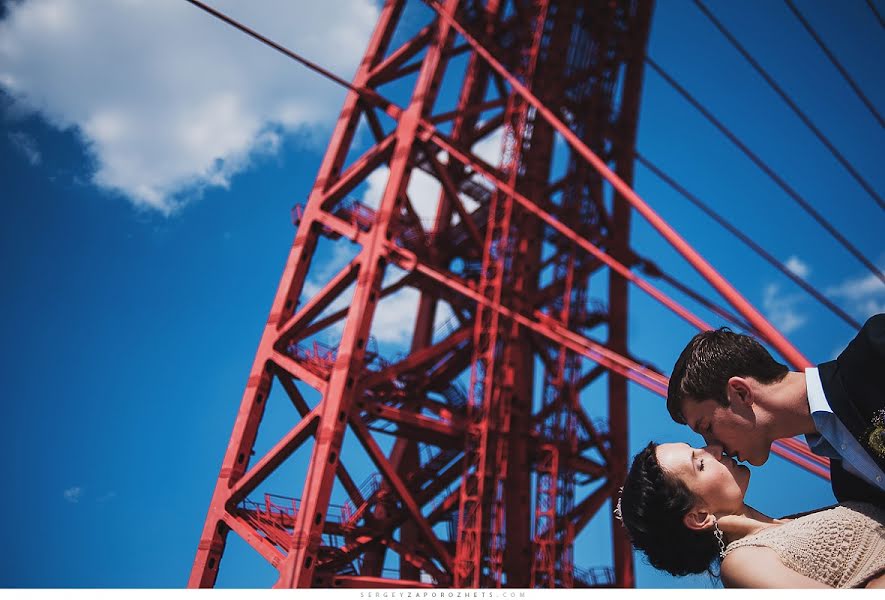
(653, 505)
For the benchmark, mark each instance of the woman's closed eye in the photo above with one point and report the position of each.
(701, 465)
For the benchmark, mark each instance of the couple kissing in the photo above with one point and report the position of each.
(684, 507)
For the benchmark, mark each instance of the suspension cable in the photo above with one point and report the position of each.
(762, 252)
(364, 93)
(651, 269)
(768, 171)
(848, 79)
(876, 12)
(780, 92)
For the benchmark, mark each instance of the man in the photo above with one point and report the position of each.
(730, 390)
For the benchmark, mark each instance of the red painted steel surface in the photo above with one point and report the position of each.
(489, 450)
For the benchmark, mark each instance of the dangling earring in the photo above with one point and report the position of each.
(618, 515)
(718, 533)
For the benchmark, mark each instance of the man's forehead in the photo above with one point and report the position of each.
(693, 410)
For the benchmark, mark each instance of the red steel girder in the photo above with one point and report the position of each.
(297, 570)
(219, 520)
(508, 318)
(481, 509)
(759, 322)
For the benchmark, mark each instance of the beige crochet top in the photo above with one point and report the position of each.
(842, 547)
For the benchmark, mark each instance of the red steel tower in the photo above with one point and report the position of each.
(496, 437)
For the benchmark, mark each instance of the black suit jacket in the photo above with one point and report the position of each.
(854, 385)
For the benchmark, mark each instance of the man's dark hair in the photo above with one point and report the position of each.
(653, 505)
(709, 360)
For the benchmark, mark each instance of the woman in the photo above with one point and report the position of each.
(684, 507)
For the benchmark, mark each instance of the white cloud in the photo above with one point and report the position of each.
(865, 294)
(799, 268)
(394, 320)
(323, 268)
(423, 190)
(444, 314)
(73, 494)
(167, 99)
(25, 144)
(859, 288)
(834, 354)
(781, 309)
(375, 182)
(489, 147)
(104, 498)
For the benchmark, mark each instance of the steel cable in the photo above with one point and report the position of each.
(768, 171)
(802, 116)
(876, 12)
(762, 252)
(848, 79)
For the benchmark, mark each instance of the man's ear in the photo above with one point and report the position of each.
(739, 390)
(698, 519)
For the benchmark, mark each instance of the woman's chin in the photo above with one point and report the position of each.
(743, 477)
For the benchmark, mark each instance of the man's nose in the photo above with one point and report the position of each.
(715, 449)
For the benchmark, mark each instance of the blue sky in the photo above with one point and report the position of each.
(149, 162)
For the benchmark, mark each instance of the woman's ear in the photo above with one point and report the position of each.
(698, 519)
(739, 390)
